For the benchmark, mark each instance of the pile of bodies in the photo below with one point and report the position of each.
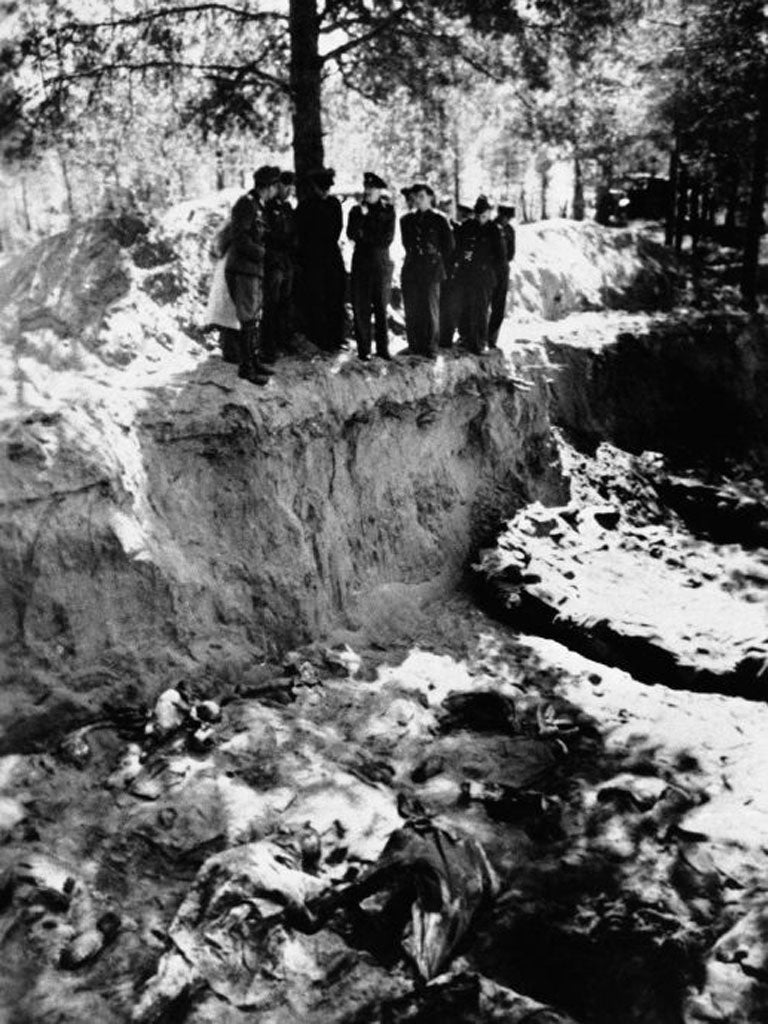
(280, 271)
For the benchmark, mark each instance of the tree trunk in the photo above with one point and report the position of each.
(67, 184)
(544, 180)
(523, 200)
(732, 202)
(456, 177)
(751, 266)
(25, 204)
(305, 83)
(707, 210)
(674, 170)
(681, 214)
(695, 216)
(578, 190)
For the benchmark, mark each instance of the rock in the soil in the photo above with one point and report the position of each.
(736, 985)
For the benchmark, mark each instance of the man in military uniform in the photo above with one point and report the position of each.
(445, 206)
(448, 287)
(450, 293)
(319, 221)
(480, 260)
(428, 244)
(504, 215)
(279, 269)
(371, 227)
(244, 270)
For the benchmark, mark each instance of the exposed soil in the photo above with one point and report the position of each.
(553, 813)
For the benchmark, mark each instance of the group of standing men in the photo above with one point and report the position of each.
(284, 270)
(455, 273)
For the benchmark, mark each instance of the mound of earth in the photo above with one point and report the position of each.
(565, 266)
(127, 288)
(618, 574)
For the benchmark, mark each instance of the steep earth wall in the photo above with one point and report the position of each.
(692, 385)
(210, 517)
(222, 508)
(154, 509)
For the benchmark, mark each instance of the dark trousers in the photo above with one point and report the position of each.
(498, 309)
(323, 283)
(247, 293)
(449, 316)
(421, 299)
(474, 292)
(372, 279)
(371, 282)
(276, 323)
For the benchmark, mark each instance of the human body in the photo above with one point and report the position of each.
(499, 296)
(319, 221)
(280, 268)
(371, 227)
(428, 244)
(480, 261)
(244, 270)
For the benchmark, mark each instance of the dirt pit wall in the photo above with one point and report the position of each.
(207, 519)
(689, 385)
(156, 511)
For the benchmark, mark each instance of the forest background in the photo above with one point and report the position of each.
(129, 104)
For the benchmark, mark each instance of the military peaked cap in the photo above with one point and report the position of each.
(323, 177)
(406, 191)
(266, 175)
(371, 180)
(506, 211)
(287, 178)
(422, 186)
(463, 210)
(482, 205)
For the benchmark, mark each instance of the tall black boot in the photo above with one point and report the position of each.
(230, 344)
(262, 366)
(248, 368)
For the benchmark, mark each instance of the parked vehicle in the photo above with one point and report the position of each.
(611, 206)
(648, 196)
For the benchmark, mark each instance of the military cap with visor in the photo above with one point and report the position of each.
(323, 177)
(265, 176)
(371, 180)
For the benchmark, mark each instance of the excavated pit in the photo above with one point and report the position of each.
(164, 522)
(690, 385)
(658, 564)
(211, 521)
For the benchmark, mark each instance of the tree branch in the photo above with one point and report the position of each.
(147, 65)
(352, 44)
(185, 9)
